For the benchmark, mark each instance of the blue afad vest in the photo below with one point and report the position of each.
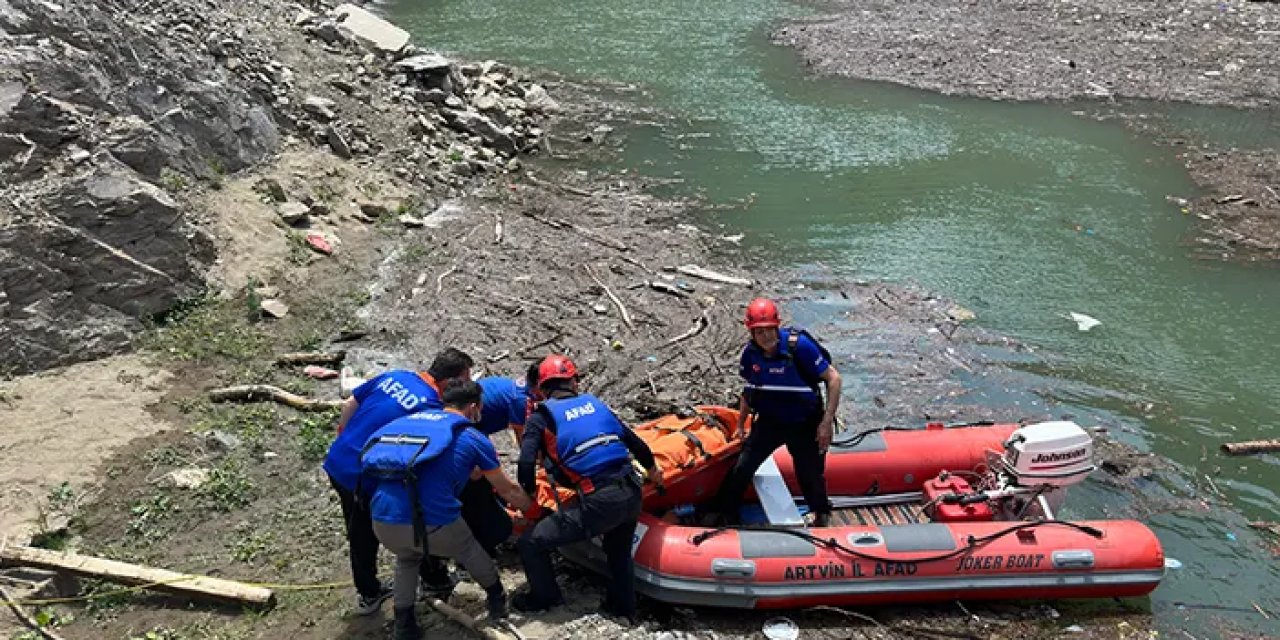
(777, 386)
(404, 446)
(587, 439)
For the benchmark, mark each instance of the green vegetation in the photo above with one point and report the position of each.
(228, 487)
(204, 328)
(251, 543)
(315, 433)
(149, 515)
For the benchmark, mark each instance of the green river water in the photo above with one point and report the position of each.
(1020, 212)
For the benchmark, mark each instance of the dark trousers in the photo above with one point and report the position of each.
(765, 438)
(363, 544)
(610, 512)
(485, 516)
(361, 540)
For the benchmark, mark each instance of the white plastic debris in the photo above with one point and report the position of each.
(1083, 322)
(781, 629)
(1172, 563)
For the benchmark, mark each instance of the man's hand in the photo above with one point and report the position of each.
(825, 433)
(655, 477)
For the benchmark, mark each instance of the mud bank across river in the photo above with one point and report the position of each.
(1195, 51)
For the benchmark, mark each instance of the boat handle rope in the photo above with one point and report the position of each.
(971, 543)
(853, 440)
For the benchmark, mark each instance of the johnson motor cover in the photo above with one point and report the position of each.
(1057, 454)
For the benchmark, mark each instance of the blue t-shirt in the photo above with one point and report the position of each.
(505, 402)
(774, 385)
(440, 482)
(388, 396)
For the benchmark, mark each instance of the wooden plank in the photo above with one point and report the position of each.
(1250, 447)
(162, 580)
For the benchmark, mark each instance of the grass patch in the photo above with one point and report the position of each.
(149, 517)
(228, 488)
(315, 434)
(250, 544)
(205, 329)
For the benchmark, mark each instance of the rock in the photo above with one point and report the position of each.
(294, 213)
(272, 189)
(330, 33)
(77, 155)
(223, 440)
(320, 108)
(185, 478)
(11, 94)
(374, 209)
(472, 122)
(342, 85)
(267, 291)
(425, 64)
(274, 309)
(540, 101)
(141, 151)
(304, 16)
(338, 144)
(371, 30)
(104, 252)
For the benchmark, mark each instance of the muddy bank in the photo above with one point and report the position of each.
(1198, 51)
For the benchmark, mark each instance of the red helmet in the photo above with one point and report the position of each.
(762, 312)
(556, 367)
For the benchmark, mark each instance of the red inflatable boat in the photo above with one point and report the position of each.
(937, 513)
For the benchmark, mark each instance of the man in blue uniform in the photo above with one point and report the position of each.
(584, 446)
(417, 491)
(375, 403)
(782, 368)
(505, 404)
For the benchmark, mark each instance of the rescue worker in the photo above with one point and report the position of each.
(505, 404)
(586, 447)
(375, 403)
(782, 367)
(424, 505)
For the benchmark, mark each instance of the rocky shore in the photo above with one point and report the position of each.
(1215, 52)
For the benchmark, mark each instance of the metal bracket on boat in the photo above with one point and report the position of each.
(733, 568)
(1073, 559)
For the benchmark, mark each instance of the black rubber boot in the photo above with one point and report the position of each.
(496, 601)
(406, 627)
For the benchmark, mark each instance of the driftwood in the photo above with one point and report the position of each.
(161, 580)
(312, 357)
(622, 309)
(707, 274)
(262, 392)
(1270, 527)
(441, 277)
(538, 345)
(1250, 447)
(465, 620)
(582, 231)
(699, 326)
(669, 289)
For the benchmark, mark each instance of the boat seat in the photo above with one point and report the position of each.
(774, 495)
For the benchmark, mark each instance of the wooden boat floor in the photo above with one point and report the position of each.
(879, 515)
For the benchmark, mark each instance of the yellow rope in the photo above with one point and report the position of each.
(107, 594)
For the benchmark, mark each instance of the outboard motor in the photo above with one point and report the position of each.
(1028, 480)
